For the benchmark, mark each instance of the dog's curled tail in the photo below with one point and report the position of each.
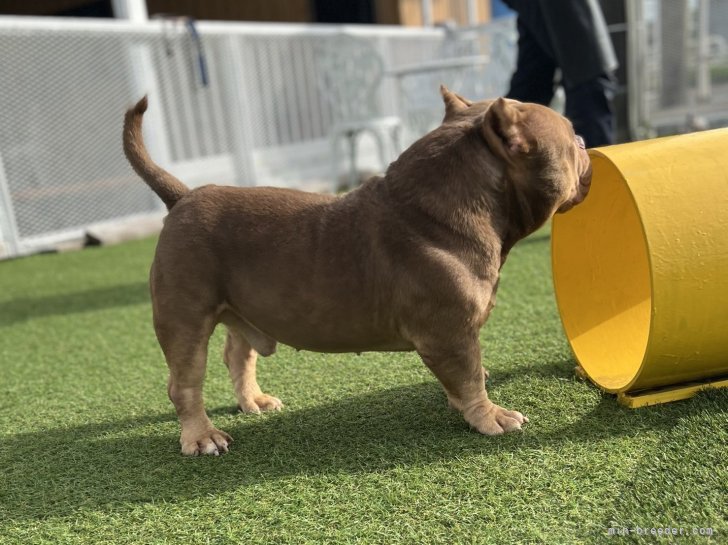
(169, 188)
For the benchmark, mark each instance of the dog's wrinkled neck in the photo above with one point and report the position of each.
(446, 177)
(521, 211)
(452, 177)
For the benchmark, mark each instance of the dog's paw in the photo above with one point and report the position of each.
(212, 441)
(490, 419)
(259, 403)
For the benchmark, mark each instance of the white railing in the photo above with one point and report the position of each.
(261, 118)
(258, 119)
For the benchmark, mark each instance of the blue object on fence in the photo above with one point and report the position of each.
(201, 62)
(499, 9)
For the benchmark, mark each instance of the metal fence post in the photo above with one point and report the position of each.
(674, 34)
(236, 103)
(703, 83)
(144, 81)
(131, 10)
(9, 240)
(637, 71)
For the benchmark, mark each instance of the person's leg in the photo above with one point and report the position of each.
(589, 108)
(533, 79)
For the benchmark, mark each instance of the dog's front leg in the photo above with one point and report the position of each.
(461, 373)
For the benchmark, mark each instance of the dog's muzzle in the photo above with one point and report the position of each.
(584, 183)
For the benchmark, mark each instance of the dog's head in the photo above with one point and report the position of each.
(543, 159)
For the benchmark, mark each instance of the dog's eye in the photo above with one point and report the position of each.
(580, 142)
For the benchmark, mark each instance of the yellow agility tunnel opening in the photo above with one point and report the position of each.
(601, 272)
(640, 268)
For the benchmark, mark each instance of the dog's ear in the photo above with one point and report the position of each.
(454, 103)
(503, 130)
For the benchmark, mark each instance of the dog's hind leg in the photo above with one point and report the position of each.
(241, 358)
(184, 343)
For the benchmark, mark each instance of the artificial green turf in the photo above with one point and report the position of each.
(365, 450)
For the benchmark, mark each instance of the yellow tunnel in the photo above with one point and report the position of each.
(640, 268)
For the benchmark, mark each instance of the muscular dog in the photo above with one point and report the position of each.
(408, 261)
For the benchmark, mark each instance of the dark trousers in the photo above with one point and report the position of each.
(588, 103)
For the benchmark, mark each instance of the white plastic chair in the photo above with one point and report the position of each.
(476, 62)
(350, 72)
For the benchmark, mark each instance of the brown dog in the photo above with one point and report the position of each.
(408, 261)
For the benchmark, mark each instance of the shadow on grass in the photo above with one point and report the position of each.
(118, 464)
(563, 369)
(543, 236)
(21, 309)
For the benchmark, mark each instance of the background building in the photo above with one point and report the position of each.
(389, 12)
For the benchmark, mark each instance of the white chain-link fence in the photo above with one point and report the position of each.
(241, 105)
(244, 105)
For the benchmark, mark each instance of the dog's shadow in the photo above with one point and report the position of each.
(111, 464)
(24, 308)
